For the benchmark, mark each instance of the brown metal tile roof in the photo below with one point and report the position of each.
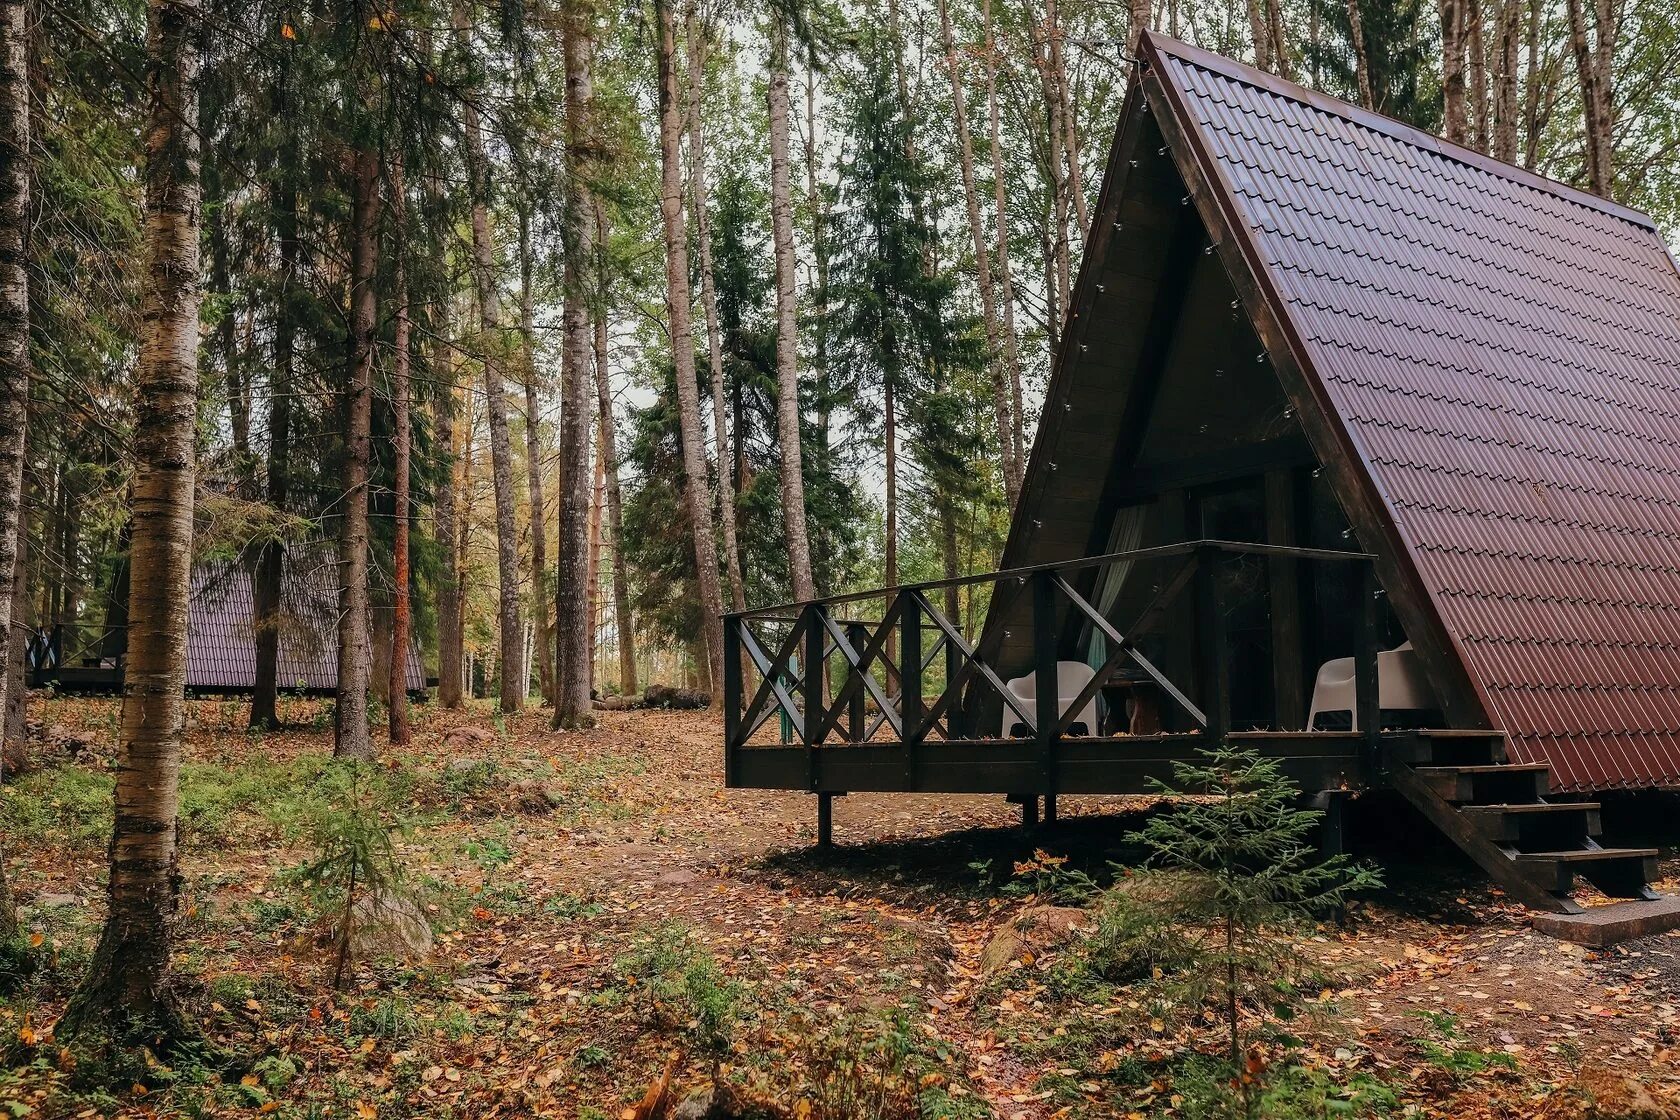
(1503, 353)
(221, 651)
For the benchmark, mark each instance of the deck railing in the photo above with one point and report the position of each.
(833, 671)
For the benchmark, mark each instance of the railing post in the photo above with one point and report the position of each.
(1210, 643)
(1046, 694)
(910, 682)
(815, 663)
(732, 698)
(1367, 703)
(858, 635)
(955, 727)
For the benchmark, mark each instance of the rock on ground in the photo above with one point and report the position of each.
(384, 924)
(1034, 928)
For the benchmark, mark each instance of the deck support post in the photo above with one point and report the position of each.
(1029, 813)
(815, 661)
(910, 682)
(825, 821)
(1047, 714)
(732, 686)
(1049, 808)
(1367, 705)
(1210, 644)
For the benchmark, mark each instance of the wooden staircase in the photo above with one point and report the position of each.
(1497, 812)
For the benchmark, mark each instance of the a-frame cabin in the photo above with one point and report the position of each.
(1352, 435)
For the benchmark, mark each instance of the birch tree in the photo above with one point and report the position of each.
(608, 451)
(1592, 40)
(14, 343)
(125, 995)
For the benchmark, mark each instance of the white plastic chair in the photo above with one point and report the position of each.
(1400, 686)
(1071, 679)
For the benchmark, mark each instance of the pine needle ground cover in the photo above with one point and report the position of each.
(596, 903)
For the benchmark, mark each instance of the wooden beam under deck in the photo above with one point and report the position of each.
(1084, 765)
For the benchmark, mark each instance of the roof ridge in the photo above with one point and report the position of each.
(1398, 130)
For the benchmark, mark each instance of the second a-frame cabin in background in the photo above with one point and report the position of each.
(1360, 448)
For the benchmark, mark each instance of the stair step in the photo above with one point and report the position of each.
(1536, 824)
(1617, 872)
(1488, 783)
(1601, 926)
(1589, 855)
(1460, 748)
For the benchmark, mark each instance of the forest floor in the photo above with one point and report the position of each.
(601, 904)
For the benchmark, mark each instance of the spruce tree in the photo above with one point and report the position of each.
(1399, 49)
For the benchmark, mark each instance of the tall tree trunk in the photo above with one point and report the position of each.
(596, 497)
(495, 402)
(708, 301)
(269, 576)
(444, 530)
(1477, 49)
(1058, 266)
(14, 347)
(787, 309)
(1504, 146)
(822, 546)
(227, 347)
(1070, 124)
(125, 992)
(401, 407)
(678, 302)
(1533, 126)
(534, 468)
(1005, 280)
(1361, 55)
(1141, 11)
(983, 268)
(355, 648)
(608, 451)
(1260, 34)
(1455, 124)
(572, 706)
(1594, 50)
(1281, 61)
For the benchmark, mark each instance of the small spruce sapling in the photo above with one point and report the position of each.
(1244, 845)
(354, 858)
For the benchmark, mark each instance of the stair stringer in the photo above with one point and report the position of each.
(1492, 858)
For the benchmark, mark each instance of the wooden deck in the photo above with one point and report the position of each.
(1080, 765)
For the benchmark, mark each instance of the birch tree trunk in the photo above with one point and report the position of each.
(1058, 267)
(495, 399)
(1361, 56)
(401, 408)
(1005, 280)
(1505, 82)
(572, 707)
(787, 331)
(1070, 124)
(1454, 119)
(1593, 49)
(708, 301)
(983, 268)
(355, 648)
(125, 993)
(534, 466)
(14, 348)
(1477, 50)
(678, 302)
(608, 451)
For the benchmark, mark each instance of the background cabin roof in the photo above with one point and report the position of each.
(1494, 357)
(221, 647)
